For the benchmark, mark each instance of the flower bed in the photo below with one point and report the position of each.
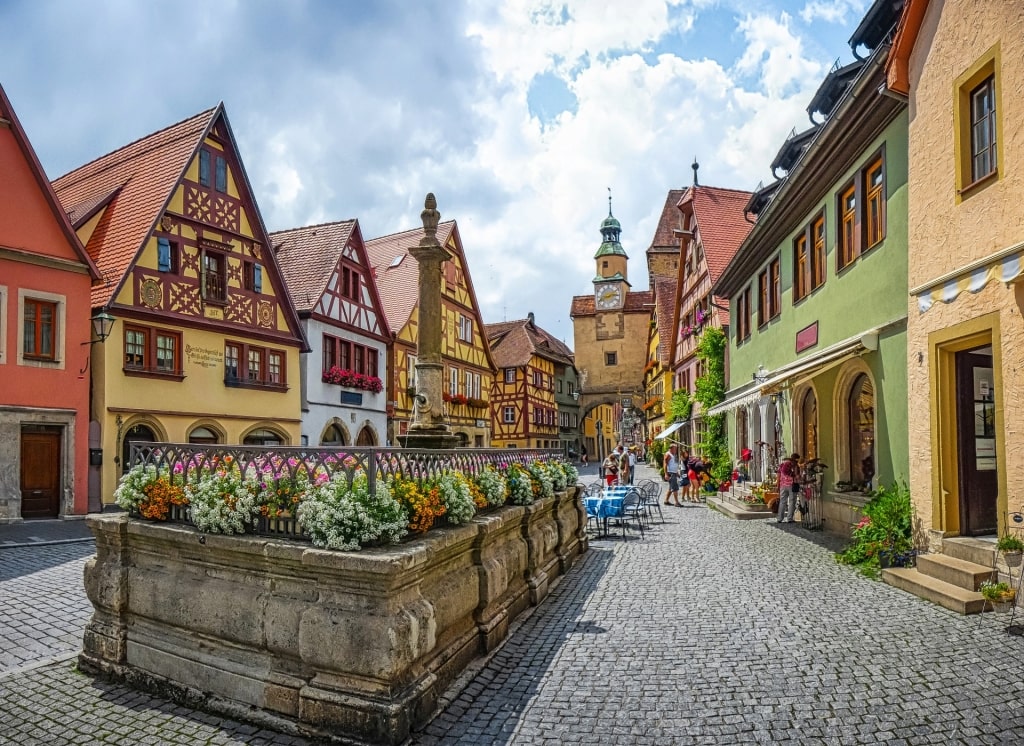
(341, 501)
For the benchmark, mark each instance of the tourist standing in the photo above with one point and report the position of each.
(789, 474)
(610, 466)
(625, 475)
(672, 466)
(632, 464)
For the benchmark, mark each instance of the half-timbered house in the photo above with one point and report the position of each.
(45, 277)
(208, 344)
(468, 367)
(331, 285)
(530, 361)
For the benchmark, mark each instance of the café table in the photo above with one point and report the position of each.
(607, 504)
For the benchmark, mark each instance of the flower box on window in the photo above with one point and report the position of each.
(352, 379)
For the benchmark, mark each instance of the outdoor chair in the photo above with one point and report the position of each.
(651, 492)
(632, 510)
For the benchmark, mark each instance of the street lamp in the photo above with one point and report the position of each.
(102, 325)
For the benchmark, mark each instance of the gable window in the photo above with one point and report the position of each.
(349, 283)
(263, 367)
(252, 279)
(222, 175)
(204, 168)
(167, 255)
(40, 329)
(508, 415)
(611, 358)
(465, 328)
(214, 276)
(510, 375)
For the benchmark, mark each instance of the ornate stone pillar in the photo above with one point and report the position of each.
(428, 428)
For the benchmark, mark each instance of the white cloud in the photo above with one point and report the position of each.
(832, 11)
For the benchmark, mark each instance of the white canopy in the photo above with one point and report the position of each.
(669, 430)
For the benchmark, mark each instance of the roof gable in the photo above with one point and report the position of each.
(515, 343)
(31, 217)
(721, 223)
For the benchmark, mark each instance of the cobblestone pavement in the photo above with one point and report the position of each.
(708, 631)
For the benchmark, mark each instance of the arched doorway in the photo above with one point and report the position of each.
(365, 437)
(334, 436)
(134, 434)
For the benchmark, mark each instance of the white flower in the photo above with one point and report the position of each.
(344, 515)
(456, 497)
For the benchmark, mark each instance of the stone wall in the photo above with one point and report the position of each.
(357, 645)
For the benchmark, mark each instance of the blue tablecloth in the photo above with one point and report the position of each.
(608, 504)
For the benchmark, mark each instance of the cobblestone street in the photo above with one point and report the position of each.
(708, 631)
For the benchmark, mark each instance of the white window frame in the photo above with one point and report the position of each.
(508, 415)
(453, 381)
(476, 386)
(60, 341)
(410, 370)
(510, 375)
(465, 328)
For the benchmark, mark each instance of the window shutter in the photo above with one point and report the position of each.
(222, 175)
(163, 254)
(204, 167)
(257, 278)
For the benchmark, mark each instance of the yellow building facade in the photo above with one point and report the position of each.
(205, 347)
(961, 63)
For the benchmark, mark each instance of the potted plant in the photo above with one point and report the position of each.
(999, 594)
(1012, 549)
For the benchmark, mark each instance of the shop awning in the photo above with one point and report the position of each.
(1004, 265)
(669, 430)
(814, 363)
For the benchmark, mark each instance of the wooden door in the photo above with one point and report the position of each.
(976, 440)
(40, 473)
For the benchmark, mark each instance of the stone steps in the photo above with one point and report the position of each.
(737, 509)
(951, 578)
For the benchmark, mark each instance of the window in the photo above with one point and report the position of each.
(253, 277)
(453, 381)
(222, 175)
(847, 226)
(861, 209)
(203, 435)
(743, 313)
(510, 375)
(875, 203)
(475, 392)
(861, 415)
(508, 415)
(262, 438)
(350, 283)
(214, 276)
(983, 129)
(762, 299)
(410, 371)
(350, 356)
(151, 351)
(167, 255)
(538, 379)
(264, 368)
(809, 259)
(40, 329)
(610, 358)
(775, 288)
(465, 328)
(204, 167)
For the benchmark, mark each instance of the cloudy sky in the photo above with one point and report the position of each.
(519, 115)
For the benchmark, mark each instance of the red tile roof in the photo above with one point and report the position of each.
(398, 279)
(721, 223)
(664, 238)
(636, 302)
(147, 171)
(514, 343)
(308, 257)
(28, 152)
(665, 301)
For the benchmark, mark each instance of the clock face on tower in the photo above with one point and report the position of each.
(608, 295)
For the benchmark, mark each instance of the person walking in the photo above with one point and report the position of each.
(693, 469)
(583, 456)
(789, 474)
(672, 466)
(632, 464)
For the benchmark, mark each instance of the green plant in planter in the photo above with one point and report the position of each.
(996, 592)
(885, 528)
(1010, 543)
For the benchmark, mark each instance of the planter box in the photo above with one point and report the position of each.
(321, 643)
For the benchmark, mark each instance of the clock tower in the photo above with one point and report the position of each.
(610, 283)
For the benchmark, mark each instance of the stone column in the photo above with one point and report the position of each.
(428, 428)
